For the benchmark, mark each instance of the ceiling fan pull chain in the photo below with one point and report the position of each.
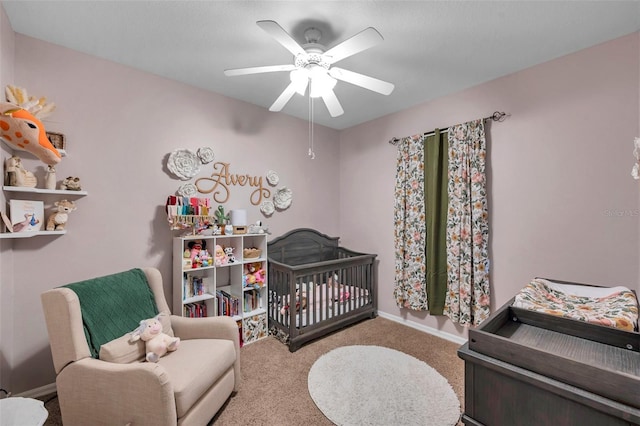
(312, 154)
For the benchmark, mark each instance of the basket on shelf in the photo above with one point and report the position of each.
(251, 253)
(239, 229)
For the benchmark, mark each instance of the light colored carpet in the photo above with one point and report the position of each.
(274, 387)
(374, 385)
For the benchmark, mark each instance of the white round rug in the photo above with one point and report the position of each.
(373, 385)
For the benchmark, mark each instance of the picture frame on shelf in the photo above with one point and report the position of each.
(58, 140)
(26, 215)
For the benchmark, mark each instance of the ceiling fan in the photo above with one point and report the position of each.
(313, 66)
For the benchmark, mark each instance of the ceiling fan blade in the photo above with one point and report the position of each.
(365, 39)
(331, 101)
(258, 70)
(281, 36)
(362, 80)
(283, 98)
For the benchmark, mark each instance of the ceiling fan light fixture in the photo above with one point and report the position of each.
(300, 78)
(321, 82)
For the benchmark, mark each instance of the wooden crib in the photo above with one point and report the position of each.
(317, 287)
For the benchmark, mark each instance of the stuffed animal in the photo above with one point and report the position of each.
(71, 184)
(195, 247)
(220, 257)
(254, 276)
(58, 219)
(301, 303)
(16, 175)
(21, 130)
(157, 343)
(228, 251)
(343, 294)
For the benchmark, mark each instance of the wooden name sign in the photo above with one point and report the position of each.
(222, 179)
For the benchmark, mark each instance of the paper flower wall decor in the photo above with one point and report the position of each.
(183, 163)
(205, 154)
(282, 198)
(187, 190)
(267, 207)
(272, 178)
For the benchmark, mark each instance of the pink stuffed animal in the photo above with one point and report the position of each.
(157, 342)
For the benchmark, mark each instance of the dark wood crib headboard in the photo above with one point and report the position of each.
(302, 246)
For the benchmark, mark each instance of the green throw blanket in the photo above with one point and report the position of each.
(113, 305)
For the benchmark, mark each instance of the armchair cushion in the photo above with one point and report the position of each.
(195, 367)
(113, 305)
(123, 351)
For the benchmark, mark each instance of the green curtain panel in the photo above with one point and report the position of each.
(436, 205)
(468, 296)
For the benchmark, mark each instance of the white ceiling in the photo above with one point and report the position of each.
(431, 48)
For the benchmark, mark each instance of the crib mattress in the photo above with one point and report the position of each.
(324, 303)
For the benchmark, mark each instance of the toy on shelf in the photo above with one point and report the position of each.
(50, 178)
(205, 259)
(21, 129)
(254, 275)
(196, 255)
(228, 251)
(16, 175)
(58, 219)
(221, 217)
(157, 343)
(71, 183)
(220, 257)
(195, 247)
(258, 228)
(251, 253)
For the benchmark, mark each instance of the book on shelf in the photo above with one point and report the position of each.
(26, 215)
(251, 300)
(194, 285)
(228, 305)
(195, 310)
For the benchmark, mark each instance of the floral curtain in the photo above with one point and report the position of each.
(467, 299)
(410, 225)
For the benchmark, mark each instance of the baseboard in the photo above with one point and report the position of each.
(430, 330)
(38, 392)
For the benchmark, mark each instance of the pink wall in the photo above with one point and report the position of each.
(562, 201)
(7, 41)
(556, 165)
(120, 125)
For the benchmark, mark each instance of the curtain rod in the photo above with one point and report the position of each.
(496, 116)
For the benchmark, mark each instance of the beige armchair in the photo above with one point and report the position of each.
(185, 387)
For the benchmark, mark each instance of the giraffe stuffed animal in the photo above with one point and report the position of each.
(21, 130)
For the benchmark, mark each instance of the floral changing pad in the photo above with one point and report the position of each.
(615, 307)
